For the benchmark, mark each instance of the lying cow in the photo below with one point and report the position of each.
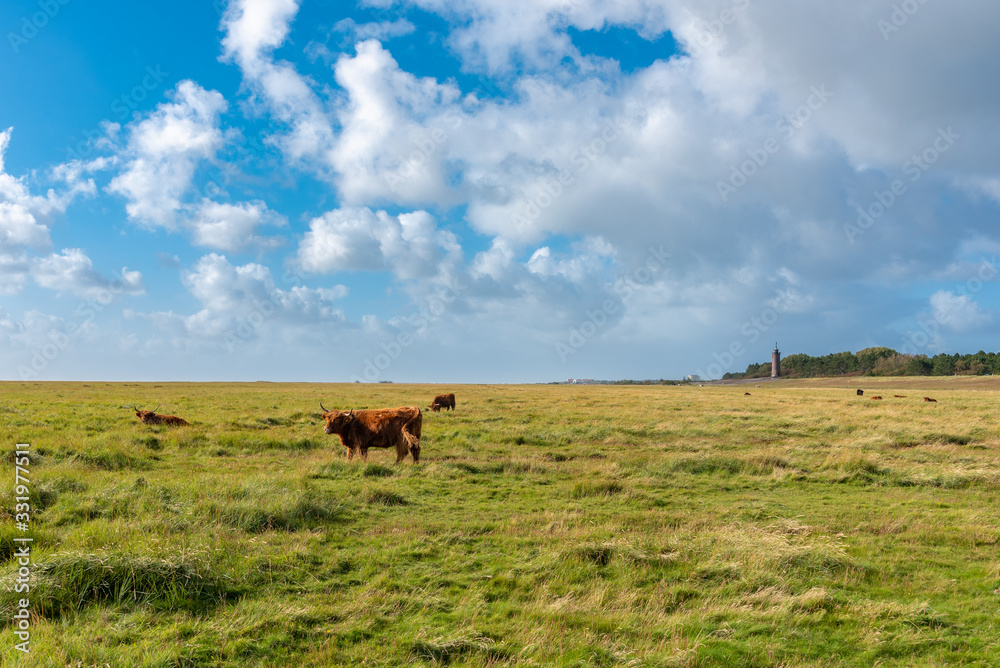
(150, 417)
(443, 401)
(377, 428)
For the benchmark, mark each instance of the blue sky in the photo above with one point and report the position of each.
(491, 190)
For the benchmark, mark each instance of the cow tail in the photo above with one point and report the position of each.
(413, 440)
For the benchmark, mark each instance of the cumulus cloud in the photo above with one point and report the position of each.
(410, 245)
(72, 271)
(241, 303)
(253, 29)
(23, 235)
(233, 227)
(163, 152)
(18, 227)
(497, 35)
(747, 156)
(957, 312)
(354, 32)
(395, 131)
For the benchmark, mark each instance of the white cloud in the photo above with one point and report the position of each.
(18, 227)
(165, 149)
(578, 150)
(72, 271)
(499, 35)
(957, 312)
(14, 190)
(410, 245)
(253, 29)
(21, 235)
(242, 304)
(573, 174)
(233, 227)
(979, 186)
(378, 30)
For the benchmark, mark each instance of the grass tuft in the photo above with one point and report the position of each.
(67, 583)
(756, 465)
(596, 488)
(596, 554)
(386, 498)
(151, 442)
(114, 460)
(251, 516)
(378, 471)
(445, 651)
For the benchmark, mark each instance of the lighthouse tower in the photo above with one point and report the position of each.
(776, 362)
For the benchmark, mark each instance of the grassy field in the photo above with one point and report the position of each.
(544, 526)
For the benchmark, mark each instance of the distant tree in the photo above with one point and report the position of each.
(920, 366)
(894, 365)
(943, 365)
(976, 368)
(869, 357)
(879, 361)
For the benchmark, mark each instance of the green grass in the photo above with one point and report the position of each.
(543, 526)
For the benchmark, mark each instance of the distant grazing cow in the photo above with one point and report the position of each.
(746, 394)
(929, 399)
(861, 393)
(899, 396)
(443, 401)
(150, 417)
(756, 385)
(876, 398)
(377, 428)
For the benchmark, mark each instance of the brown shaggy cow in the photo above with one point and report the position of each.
(876, 398)
(377, 428)
(150, 417)
(899, 396)
(929, 399)
(443, 401)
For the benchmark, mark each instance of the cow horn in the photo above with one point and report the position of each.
(325, 409)
(134, 408)
(157, 406)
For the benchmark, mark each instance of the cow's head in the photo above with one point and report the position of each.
(336, 421)
(144, 415)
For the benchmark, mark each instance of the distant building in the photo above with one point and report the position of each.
(693, 379)
(776, 362)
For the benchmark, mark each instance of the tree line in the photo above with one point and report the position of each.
(879, 361)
